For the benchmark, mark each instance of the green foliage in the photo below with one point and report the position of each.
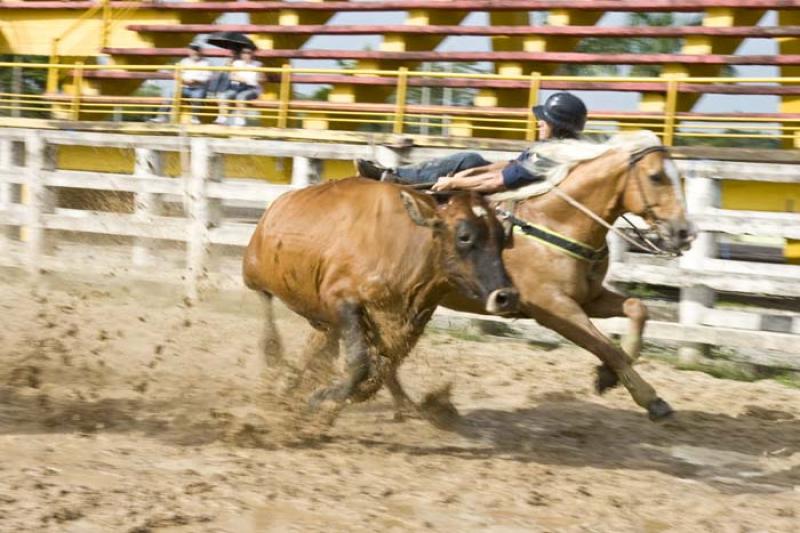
(730, 142)
(441, 95)
(22, 80)
(631, 45)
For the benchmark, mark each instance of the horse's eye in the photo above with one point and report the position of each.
(658, 177)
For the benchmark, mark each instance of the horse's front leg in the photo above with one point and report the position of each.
(610, 304)
(566, 317)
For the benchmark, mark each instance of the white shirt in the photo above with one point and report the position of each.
(194, 76)
(249, 77)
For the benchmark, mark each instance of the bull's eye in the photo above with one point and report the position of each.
(465, 234)
(658, 177)
(464, 239)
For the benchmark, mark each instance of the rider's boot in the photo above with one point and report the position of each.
(371, 170)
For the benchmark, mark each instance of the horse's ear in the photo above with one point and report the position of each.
(420, 212)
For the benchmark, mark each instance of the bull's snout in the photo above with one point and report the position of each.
(502, 301)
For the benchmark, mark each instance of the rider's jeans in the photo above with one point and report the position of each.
(436, 168)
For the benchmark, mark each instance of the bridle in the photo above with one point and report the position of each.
(634, 160)
(646, 244)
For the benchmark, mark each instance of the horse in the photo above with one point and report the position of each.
(559, 270)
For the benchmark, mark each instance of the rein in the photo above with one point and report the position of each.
(581, 250)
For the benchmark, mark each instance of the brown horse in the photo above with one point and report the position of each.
(632, 173)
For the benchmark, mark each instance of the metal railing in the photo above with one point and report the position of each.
(291, 108)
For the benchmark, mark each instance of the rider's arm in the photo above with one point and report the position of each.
(485, 182)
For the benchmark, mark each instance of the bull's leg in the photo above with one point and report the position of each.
(363, 380)
(319, 355)
(611, 304)
(566, 317)
(403, 405)
(271, 345)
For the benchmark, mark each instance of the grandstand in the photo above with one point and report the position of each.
(532, 44)
(136, 33)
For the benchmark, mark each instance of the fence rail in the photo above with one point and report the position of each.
(291, 106)
(31, 222)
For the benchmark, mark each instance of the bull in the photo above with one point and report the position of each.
(367, 263)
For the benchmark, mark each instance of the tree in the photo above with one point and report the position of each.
(21, 80)
(632, 45)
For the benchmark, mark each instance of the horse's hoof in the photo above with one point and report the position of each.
(659, 410)
(605, 379)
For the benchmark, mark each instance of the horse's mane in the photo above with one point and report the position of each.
(566, 154)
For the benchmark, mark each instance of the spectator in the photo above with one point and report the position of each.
(244, 85)
(193, 83)
(220, 80)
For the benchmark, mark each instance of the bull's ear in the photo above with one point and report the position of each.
(421, 213)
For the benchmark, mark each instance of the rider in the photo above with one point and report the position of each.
(562, 116)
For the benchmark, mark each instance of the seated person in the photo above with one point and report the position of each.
(563, 116)
(193, 83)
(244, 85)
(219, 81)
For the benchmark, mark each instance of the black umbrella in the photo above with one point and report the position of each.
(231, 40)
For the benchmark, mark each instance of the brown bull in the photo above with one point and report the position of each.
(368, 263)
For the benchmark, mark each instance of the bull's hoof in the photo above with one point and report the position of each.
(605, 379)
(329, 395)
(658, 410)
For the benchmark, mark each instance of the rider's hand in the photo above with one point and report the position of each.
(443, 184)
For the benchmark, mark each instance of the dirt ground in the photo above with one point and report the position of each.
(124, 409)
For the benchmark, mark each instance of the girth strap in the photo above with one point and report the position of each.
(569, 246)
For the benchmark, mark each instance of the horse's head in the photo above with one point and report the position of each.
(653, 191)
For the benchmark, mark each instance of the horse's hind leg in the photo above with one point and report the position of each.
(566, 317)
(611, 304)
(363, 378)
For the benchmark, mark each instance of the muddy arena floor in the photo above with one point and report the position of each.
(124, 409)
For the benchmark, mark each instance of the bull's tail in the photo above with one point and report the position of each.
(271, 344)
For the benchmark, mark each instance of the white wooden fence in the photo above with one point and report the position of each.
(31, 226)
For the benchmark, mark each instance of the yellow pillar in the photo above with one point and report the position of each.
(791, 104)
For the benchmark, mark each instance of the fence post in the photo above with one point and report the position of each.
(701, 194)
(177, 98)
(285, 95)
(149, 164)
(39, 199)
(106, 30)
(305, 171)
(400, 100)
(16, 89)
(617, 248)
(78, 89)
(671, 110)
(6, 189)
(203, 212)
(52, 71)
(533, 99)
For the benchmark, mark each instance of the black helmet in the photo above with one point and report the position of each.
(563, 111)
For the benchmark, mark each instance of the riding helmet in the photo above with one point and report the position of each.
(563, 111)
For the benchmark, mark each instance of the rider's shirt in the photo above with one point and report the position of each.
(515, 174)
